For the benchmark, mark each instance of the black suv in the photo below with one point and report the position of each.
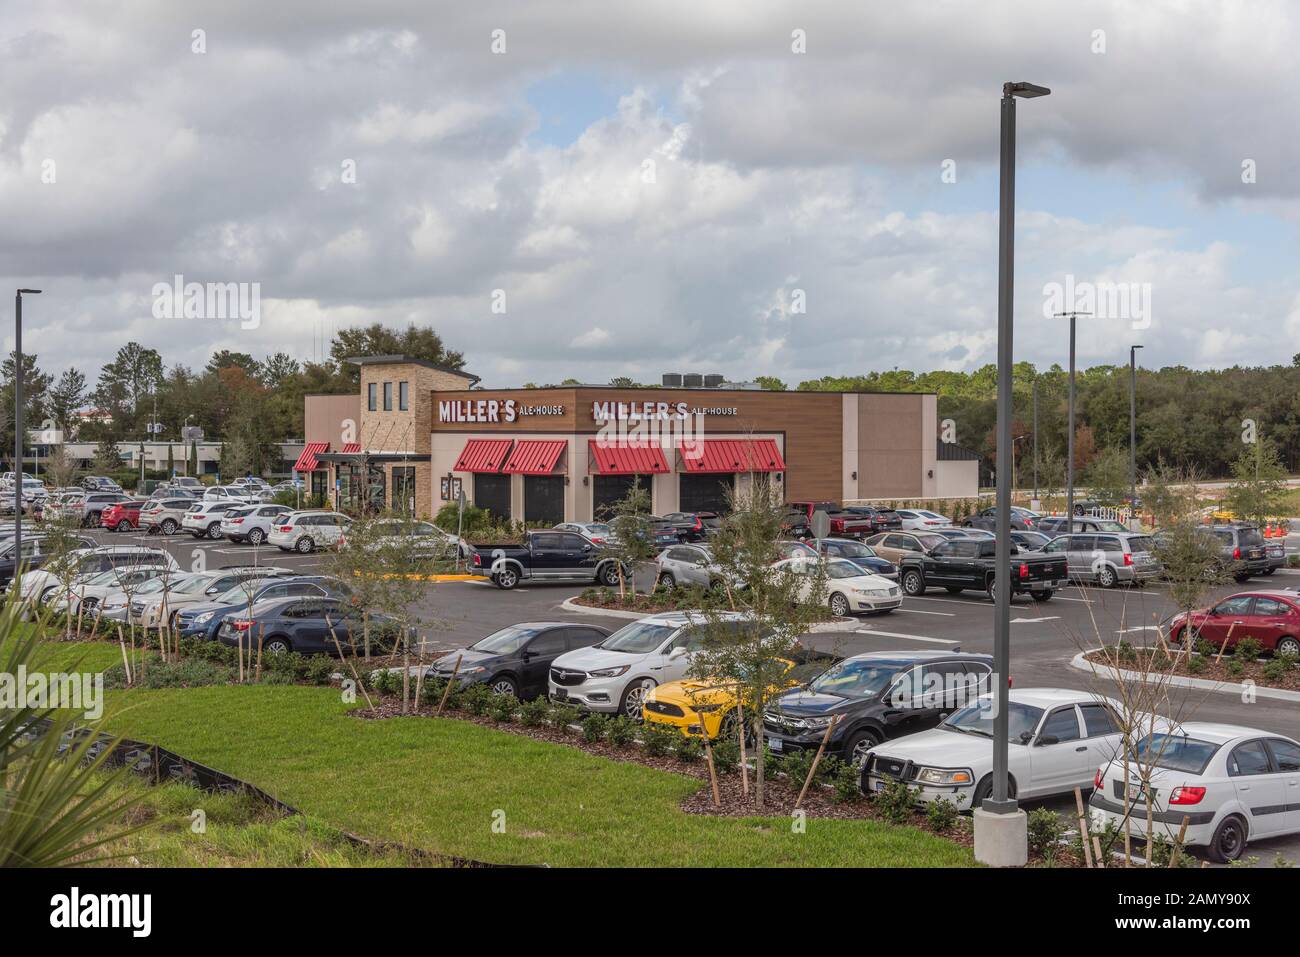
(878, 695)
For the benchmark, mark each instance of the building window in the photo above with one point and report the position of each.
(388, 397)
(372, 397)
(403, 395)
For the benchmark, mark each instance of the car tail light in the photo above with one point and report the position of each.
(1186, 795)
(1236, 554)
(478, 560)
(1128, 559)
(242, 624)
(698, 524)
(1097, 780)
(236, 521)
(1024, 570)
(286, 528)
(598, 541)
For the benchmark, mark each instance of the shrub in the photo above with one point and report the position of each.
(475, 698)
(941, 815)
(1248, 649)
(594, 727)
(1277, 669)
(502, 708)
(1196, 664)
(845, 777)
(1207, 648)
(797, 764)
(895, 801)
(1044, 830)
(726, 755)
(658, 739)
(431, 691)
(1235, 667)
(1126, 652)
(686, 749)
(533, 714)
(621, 731)
(320, 669)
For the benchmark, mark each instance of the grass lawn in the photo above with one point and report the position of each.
(436, 785)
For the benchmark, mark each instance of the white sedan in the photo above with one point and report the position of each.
(1233, 784)
(1057, 738)
(921, 519)
(848, 588)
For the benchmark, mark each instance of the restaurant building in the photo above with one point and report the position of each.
(418, 433)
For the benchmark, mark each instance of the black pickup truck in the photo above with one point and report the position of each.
(551, 556)
(961, 564)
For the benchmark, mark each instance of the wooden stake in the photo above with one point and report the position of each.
(446, 692)
(356, 677)
(419, 685)
(125, 661)
(239, 645)
(1224, 647)
(261, 636)
(817, 760)
(1083, 829)
(744, 766)
(1178, 844)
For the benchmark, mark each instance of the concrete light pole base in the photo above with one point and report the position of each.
(1001, 840)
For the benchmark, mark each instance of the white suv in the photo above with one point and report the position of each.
(615, 675)
(164, 515)
(203, 520)
(252, 523)
(307, 531)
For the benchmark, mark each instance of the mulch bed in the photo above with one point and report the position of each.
(1213, 671)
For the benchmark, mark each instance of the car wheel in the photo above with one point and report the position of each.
(609, 575)
(913, 583)
(277, 645)
(729, 728)
(1287, 647)
(89, 605)
(991, 588)
(256, 537)
(858, 744)
(1269, 571)
(504, 684)
(122, 526)
(634, 697)
(169, 527)
(1106, 577)
(1041, 595)
(507, 578)
(214, 530)
(1229, 840)
(305, 545)
(984, 790)
(1241, 578)
(839, 605)
(666, 580)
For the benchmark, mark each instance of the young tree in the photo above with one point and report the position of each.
(1258, 484)
(631, 540)
(60, 468)
(1107, 476)
(107, 458)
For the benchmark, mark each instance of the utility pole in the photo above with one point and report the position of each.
(1035, 401)
(1069, 452)
(18, 437)
(1132, 430)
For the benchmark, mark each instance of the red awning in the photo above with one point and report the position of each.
(351, 448)
(634, 459)
(535, 456)
(482, 455)
(307, 461)
(732, 455)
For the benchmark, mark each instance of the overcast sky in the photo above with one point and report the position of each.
(652, 186)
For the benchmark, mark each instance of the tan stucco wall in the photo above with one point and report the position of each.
(956, 480)
(896, 445)
(335, 419)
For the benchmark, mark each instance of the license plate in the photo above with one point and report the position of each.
(877, 785)
(775, 744)
(1137, 793)
(561, 695)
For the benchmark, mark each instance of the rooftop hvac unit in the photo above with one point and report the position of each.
(672, 380)
(714, 380)
(693, 380)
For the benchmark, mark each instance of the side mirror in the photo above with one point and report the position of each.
(1026, 737)
(1047, 739)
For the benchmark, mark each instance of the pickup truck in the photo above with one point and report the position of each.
(547, 556)
(843, 524)
(961, 564)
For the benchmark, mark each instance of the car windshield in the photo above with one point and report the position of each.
(930, 541)
(1142, 544)
(153, 586)
(977, 718)
(853, 550)
(598, 529)
(842, 569)
(102, 578)
(192, 585)
(507, 641)
(638, 638)
(856, 678)
(1106, 526)
(1177, 752)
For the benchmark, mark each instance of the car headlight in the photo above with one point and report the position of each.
(477, 669)
(609, 672)
(203, 618)
(944, 776)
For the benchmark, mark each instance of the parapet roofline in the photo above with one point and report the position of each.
(410, 360)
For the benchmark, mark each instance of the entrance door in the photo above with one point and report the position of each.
(706, 493)
(492, 492)
(607, 490)
(544, 499)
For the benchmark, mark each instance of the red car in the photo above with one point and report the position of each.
(121, 516)
(1270, 617)
(843, 524)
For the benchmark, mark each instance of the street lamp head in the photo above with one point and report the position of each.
(28, 292)
(1026, 90)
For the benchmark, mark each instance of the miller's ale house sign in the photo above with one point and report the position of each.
(491, 410)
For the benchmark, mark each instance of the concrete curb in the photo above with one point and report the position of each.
(570, 605)
(1177, 681)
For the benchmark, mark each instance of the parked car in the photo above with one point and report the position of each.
(873, 697)
(844, 523)
(187, 481)
(1241, 548)
(1053, 525)
(517, 659)
(860, 553)
(711, 707)
(694, 526)
(94, 559)
(688, 565)
(88, 591)
(202, 620)
(920, 519)
(896, 546)
(1021, 518)
(1029, 541)
(1270, 617)
(425, 540)
(89, 509)
(100, 483)
(848, 589)
(662, 533)
(1057, 738)
(614, 676)
(165, 515)
(1276, 554)
(196, 588)
(598, 532)
(547, 556)
(203, 519)
(33, 557)
(882, 517)
(122, 516)
(251, 523)
(1108, 559)
(231, 494)
(307, 531)
(1227, 784)
(308, 626)
(962, 565)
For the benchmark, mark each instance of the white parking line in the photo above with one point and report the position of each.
(899, 634)
(1029, 621)
(952, 601)
(917, 611)
(1125, 631)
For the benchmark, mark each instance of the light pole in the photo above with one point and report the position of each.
(1132, 429)
(1069, 441)
(1035, 395)
(1000, 825)
(18, 436)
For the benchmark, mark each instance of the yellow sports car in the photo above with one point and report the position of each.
(698, 706)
